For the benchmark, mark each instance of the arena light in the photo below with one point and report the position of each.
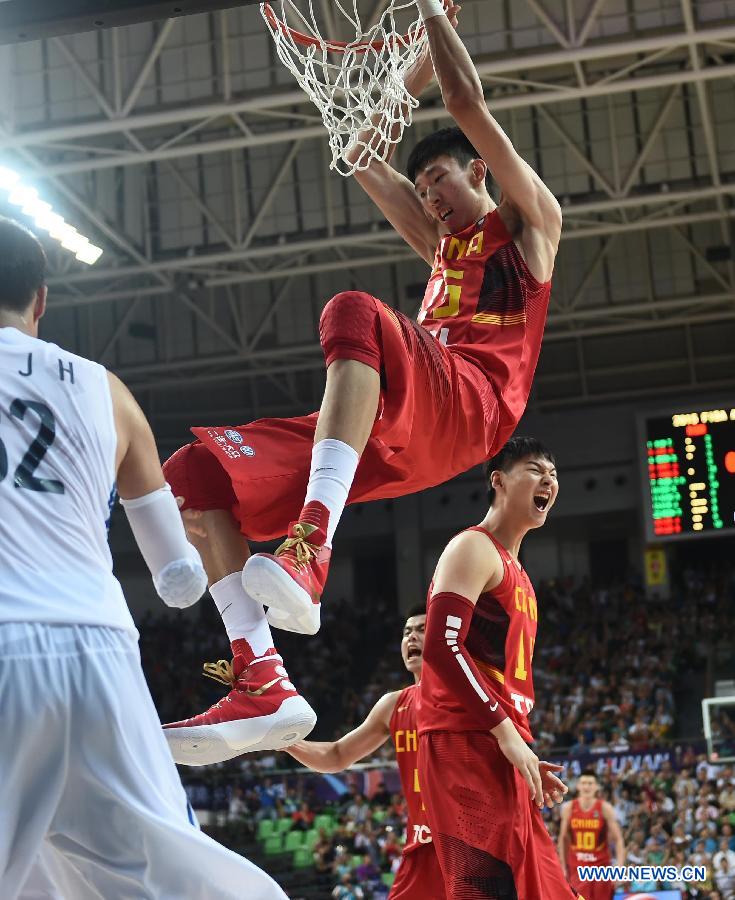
(7, 178)
(23, 196)
(49, 221)
(89, 254)
(44, 217)
(74, 241)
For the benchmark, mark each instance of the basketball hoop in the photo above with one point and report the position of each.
(355, 84)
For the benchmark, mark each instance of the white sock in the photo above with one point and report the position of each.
(243, 617)
(333, 467)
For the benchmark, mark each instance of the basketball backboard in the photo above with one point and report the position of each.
(28, 20)
(718, 715)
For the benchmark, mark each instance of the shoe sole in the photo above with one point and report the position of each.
(290, 607)
(204, 745)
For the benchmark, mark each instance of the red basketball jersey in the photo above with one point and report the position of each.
(404, 735)
(478, 300)
(588, 839)
(500, 641)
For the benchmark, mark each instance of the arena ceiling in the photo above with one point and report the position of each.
(185, 149)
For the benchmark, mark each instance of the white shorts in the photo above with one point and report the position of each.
(88, 784)
(53, 878)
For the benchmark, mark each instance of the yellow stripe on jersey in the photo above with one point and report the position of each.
(489, 670)
(493, 319)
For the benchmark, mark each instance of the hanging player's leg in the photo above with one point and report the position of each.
(425, 394)
(262, 710)
(291, 580)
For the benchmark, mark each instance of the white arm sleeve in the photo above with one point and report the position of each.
(176, 567)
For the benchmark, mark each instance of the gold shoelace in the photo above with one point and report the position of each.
(305, 551)
(221, 671)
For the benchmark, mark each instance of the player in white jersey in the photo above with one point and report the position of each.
(88, 783)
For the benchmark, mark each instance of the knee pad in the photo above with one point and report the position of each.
(349, 328)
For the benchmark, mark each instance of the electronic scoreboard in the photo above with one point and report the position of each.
(689, 464)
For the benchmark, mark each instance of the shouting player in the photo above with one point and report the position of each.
(588, 828)
(394, 715)
(480, 781)
(87, 779)
(413, 403)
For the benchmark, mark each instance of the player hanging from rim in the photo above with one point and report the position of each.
(415, 403)
(587, 830)
(480, 781)
(87, 779)
(393, 716)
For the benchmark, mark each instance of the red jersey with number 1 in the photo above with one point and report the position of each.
(500, 641)
(404, 735)
(588, 836)
(483, 301)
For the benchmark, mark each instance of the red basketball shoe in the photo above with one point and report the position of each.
(263, 711)
(290, 582)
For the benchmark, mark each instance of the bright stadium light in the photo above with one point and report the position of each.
(22, 196)
(37, 208)
(89, 254)
(74, 241)
(47, 220)
(44, 217)
(58, 228)
(7, 178)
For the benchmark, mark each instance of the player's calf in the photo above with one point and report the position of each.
(290, 582)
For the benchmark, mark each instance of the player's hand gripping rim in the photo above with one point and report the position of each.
(453, 10)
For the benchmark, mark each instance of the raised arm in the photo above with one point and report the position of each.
(334, 756)
(391, 191)
(532, 205)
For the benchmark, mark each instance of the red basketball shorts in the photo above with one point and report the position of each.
(439, 415)
(490, 839)
(591, 890)
(419, 876)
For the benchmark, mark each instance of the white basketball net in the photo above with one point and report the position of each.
(355, 86)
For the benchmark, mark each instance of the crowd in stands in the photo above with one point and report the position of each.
(351, 846)
(682, 813)
(605, 669)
